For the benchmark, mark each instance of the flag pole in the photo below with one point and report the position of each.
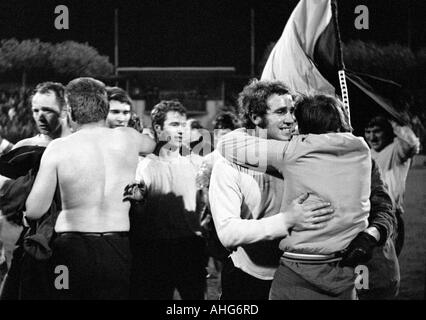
(116, 44)
(252, 42)
(340, 62)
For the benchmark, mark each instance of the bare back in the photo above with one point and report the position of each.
(93, 168)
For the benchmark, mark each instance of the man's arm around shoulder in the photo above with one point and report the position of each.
(144, 142)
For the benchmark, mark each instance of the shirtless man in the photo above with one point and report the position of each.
(91, 167)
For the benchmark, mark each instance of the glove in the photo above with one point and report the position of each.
(135, 192)
(359, 250)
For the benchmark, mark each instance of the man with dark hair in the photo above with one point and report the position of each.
(47, 104)
(320, 114)
(91, 167)
(246, 205)
(309, 267)
(167, 247)
(120, 107)
(393, 146)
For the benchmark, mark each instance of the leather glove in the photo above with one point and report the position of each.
(359, 250)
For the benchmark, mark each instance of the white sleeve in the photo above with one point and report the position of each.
(225, 204)
(256, 153)
(142, 172)
(407, 144)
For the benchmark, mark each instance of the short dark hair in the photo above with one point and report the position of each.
(319, 114)
(118, 94)
(382, 122)
(226, 120)
(195, 124)
(252, 100)
(57, 88)
(88, 100)
(159, 112)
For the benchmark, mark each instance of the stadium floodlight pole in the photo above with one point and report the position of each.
(116, 42)
(340, 62)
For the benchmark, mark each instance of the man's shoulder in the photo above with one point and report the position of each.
(147, 162)
(226, 169)
(32, 141)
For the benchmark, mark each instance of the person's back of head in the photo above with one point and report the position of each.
(318, 114)
(87, 99)
(226, 120)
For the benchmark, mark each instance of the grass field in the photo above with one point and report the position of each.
(413, 256)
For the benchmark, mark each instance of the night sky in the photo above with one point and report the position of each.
(197, 33)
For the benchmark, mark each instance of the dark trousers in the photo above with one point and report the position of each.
(27, 278)
(400, 235)
(289, 285)
(238, 285)
(98, 267)
(161, 266)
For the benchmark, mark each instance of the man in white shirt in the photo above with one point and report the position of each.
(246, 205)
(167, 247)
(392, 147)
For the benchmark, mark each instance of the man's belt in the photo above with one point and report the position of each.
(94, 234)
(311, 258)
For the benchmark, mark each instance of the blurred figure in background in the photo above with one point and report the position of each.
(392, 147)
(224, 123)
(197, 139)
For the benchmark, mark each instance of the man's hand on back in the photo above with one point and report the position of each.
(308, 216)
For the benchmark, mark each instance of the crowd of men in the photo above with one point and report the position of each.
(288, 203)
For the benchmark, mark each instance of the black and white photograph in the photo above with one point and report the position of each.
(221, 150)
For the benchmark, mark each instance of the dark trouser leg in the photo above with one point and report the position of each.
(238, 285)
(399, 241)
(96, 267)
(152, 271)
(189, 265)
(288, 285)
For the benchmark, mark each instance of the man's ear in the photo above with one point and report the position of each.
(157, 130)
(256, 119)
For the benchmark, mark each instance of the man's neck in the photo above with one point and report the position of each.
(92, 125)
(168, 153)
(44, 138)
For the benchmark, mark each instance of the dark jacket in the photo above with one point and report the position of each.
(27, 277)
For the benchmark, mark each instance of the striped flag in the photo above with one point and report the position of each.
(308, 58)
(309, 31)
